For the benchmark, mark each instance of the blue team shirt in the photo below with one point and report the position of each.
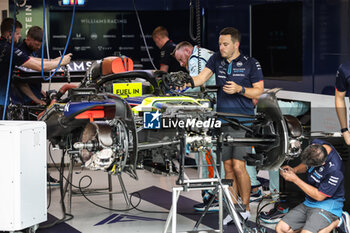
(167, 59)
(19, 58)
(342, 82)
(243, 71)
(329, 180)
(35, 85)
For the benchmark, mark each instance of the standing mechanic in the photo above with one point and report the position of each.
(167, 62)
(324, 190)
(20, 58)
(342, 85)
(240, 79)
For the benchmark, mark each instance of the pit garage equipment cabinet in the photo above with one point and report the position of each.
(22, 175)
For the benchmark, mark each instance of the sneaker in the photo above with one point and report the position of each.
(256, 195)
(228, 220)
(274, 215)
(213, 207)
(52, 181)
(344, 224)
(207, 196)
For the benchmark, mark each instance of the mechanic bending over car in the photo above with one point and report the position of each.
(240, 79)
(29, 92)
(20, 58)
(187, 55)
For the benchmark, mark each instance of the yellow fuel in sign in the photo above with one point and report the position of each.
(125, 90)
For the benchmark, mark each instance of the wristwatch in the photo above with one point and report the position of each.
(242, 91)
(344, 130)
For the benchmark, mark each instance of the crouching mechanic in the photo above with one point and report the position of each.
(324, 189)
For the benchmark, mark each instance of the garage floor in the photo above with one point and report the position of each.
(151, 213)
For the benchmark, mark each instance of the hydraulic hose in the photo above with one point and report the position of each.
(65, 48)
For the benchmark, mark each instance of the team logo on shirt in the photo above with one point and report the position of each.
(331, 164)
(258, 66)
(239, 64)
(333, 180)
(18, 52)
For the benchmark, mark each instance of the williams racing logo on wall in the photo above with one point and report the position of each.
(153, 120)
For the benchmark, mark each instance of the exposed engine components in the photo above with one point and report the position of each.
(177, 79)
(199, 142)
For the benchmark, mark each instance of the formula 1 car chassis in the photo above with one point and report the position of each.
(103, 130)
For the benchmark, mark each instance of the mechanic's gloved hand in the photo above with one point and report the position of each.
(178, 79)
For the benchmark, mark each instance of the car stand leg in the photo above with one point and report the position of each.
(68, 187)
(192, 185)
(125, 193)
(202, 184)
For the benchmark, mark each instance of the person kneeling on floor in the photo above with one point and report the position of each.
(324, 191)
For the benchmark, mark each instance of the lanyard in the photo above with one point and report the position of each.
(229, 69)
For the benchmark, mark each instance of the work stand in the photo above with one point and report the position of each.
(70, 192)
(215, 184)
